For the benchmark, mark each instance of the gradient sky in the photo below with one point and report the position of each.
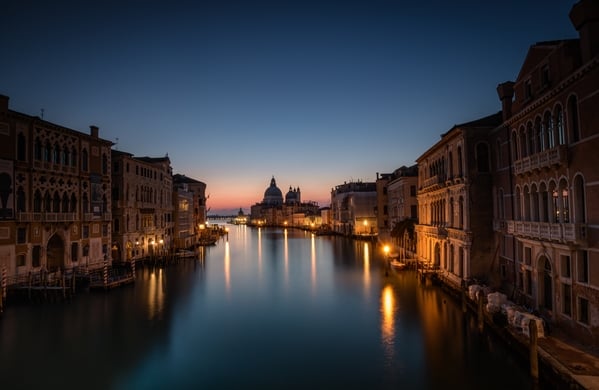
(316, 93)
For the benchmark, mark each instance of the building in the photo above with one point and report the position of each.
(274, 211)
(142, 210)
(353, 209)
(402, 206)
(55, 202)
(455, 203)
(546, 181)
(184, 229)
(198, 189)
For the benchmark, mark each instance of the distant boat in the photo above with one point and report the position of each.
(207, 241)
(398, 265)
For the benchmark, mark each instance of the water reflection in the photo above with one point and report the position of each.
(366, 268)
(313, 262)
(156, 293)
(388, 309)
(227, 268)
(286, 257)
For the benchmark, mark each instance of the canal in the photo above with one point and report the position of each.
(264, 308)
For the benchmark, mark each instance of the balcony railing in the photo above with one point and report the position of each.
(437, 231)
(545, 231)
(46, 217)
(438, 180)
(538, 161)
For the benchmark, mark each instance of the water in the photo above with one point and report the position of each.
(264, 309)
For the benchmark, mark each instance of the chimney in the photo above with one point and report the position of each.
(94, 131)
(584, 15)
(506, 95)
(3, 103)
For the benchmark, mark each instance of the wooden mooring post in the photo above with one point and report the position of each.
(534, 357)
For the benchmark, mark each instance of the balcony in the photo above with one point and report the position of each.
(436, 231)
(433, 182)
(46, 217)
(555, 156)
(544, 231)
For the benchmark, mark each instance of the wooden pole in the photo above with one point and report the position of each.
(105, 273)
(480, 311)
(534, 359)
(133, 268)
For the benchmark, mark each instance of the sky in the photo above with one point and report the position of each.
(314, 93)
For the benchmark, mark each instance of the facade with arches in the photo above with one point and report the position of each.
(546, 180)
(55, 191)
(454, 233)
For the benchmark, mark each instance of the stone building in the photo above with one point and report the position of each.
(546, 182)
(455, 203)
(198, 205)
(55, 195)
(353, 209)
(184, 231)
(142, 190)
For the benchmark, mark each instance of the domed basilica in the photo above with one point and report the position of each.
(274, 210)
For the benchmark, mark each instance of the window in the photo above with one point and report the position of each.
(84, 160)
(74, 252)
(528, 286)
(116, 225)
(104, 164)
(573, 115)
(527, 255)
(583, 266)
(583, 310)
(36, 255)
(21, 200)
(527, 89)
(38, 149)
(105, 230)
(21, 147)
(561, 135)
(20, 260)
(567, 299)
(85, 231)
(565, 266)
(21, 235)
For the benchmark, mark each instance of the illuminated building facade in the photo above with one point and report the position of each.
(55, 195)
(546, 186)
(142, 190)
(353, 209)
(454, 230)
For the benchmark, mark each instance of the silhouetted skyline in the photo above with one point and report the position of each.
(314, 93)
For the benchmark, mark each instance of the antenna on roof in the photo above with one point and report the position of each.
(116, 143)
(42, 110)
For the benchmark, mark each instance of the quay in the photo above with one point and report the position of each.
(552, 354)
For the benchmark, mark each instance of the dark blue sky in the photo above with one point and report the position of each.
(313, 92)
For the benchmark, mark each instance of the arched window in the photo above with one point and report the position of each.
(21, 200)
(104, 164)
(73, 204)
(539, 136)
(21, 147)
(84, 161)
(37, 202)
(518, 204)
(48, 152)
(47, 203)
(549, 130)
(543, 203)
(573, 116)
(514, 145)
(73, 157)
(460, 163)
(85, 204)
(526, 204)
(450, 165)
(38, 149)
(534, 203)
(56, 154)
(559, 118)
(56, 203)
(523, 144)
(579, 200)
(461, 216)
(65, 203)
(482, 157)
(530, 139)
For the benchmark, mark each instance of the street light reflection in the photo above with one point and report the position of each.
(227, 267)
(388, 308)
(155, 293)
(366, 267)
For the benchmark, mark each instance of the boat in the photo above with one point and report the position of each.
(185, 254)
(397, 265)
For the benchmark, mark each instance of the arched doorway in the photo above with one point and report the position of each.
(116, 252)
(55, 253)
(545, 284)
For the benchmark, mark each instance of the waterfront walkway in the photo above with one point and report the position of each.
(570, 359)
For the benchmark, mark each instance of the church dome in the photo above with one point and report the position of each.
(273, 195)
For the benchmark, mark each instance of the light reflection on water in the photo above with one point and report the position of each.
(268, 308)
